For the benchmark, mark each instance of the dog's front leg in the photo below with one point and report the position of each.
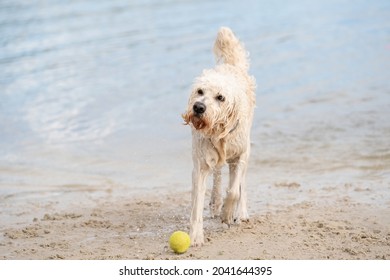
(241, 211)
(199, 176)
(236, 170)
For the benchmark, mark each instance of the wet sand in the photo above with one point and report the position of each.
(138, 228)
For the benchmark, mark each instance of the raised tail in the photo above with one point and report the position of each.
(228, 49)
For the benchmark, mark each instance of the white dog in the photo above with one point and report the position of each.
(220, 112)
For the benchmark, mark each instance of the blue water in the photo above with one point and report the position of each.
(91, 92)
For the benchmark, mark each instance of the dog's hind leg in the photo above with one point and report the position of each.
(216, 195)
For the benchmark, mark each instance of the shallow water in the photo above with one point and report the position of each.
(91, 94)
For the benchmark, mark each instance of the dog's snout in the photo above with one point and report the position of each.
(199, 107)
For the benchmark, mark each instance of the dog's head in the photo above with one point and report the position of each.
(213, 104)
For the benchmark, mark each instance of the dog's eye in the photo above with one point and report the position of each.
(220, 97)
(200, 92)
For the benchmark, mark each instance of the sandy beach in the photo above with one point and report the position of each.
(139, 228)
(95, 162)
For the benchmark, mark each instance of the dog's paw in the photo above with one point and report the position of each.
(227, 216)
(240, 220)
(215, 210)
(197, 242)
(241, 216)
(197, 238)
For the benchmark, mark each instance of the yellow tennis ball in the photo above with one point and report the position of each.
(179, 242)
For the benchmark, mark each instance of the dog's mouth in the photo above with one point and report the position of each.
(197, 120)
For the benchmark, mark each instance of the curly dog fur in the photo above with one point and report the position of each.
(220, 112)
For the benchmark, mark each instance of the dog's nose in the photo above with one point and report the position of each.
(199, 107)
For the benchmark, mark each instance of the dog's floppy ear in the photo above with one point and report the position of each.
(186, 118)
(221, 130)
(229, 123)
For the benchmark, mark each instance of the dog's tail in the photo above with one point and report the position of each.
(228, 49)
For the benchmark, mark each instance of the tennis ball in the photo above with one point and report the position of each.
(179, 242)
